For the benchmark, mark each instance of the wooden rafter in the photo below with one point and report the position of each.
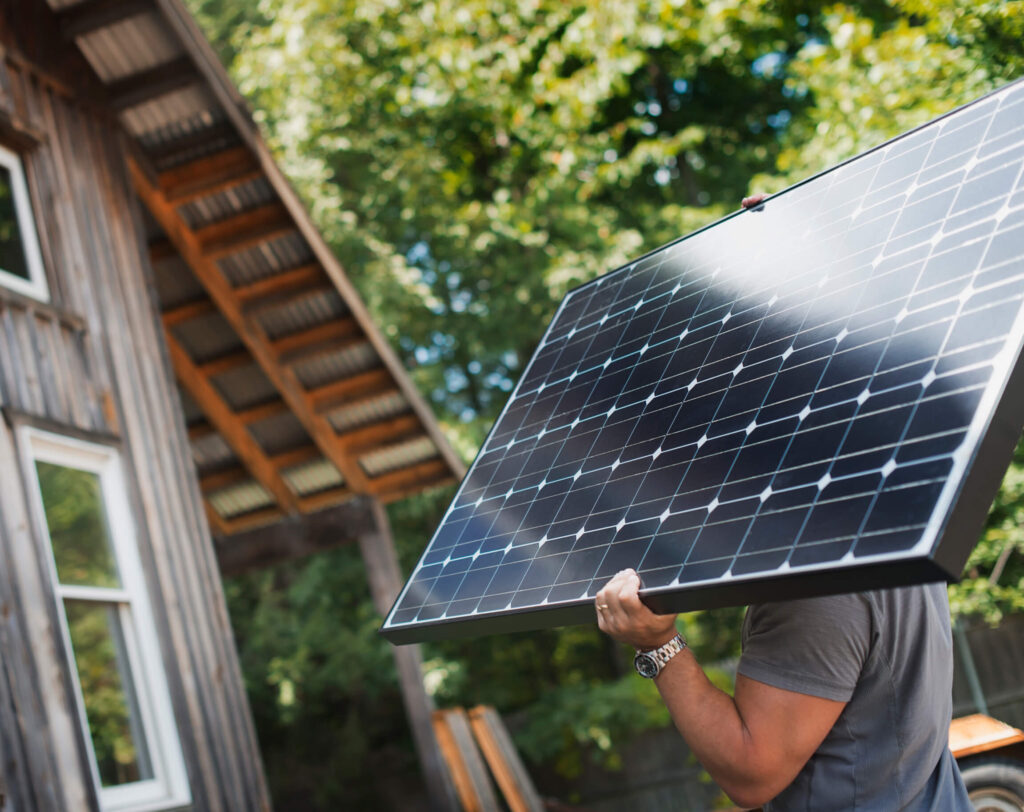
(398, 484)
(187, 311)
(92, 15)
(225, 363)
(360, 440)
(208, 175)
(328, 336)
(332, 395)
(302, 276)
(153, 83)
(234, 433)
(244, 230)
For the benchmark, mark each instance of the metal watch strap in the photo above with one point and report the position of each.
(649, 663)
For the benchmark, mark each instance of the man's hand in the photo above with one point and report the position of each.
(622, 615)
(753, 200)
(752, 745)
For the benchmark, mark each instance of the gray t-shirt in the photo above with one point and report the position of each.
(888, 655)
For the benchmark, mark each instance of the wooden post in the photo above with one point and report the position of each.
(385, 579)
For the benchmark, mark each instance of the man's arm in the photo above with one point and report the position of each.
(753, 744)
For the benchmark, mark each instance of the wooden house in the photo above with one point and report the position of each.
(189, 384)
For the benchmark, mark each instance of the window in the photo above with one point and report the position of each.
(123, 703)
(21, 268)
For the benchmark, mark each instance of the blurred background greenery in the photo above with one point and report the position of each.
(469, 161)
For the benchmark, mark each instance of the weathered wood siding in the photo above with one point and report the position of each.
(93, 363)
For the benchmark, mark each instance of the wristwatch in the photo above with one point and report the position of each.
(649, 663)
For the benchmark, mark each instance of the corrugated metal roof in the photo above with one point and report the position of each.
(265, 260)
(163, 113)
(366, 411)
(398, 456)
(129, 47)
(313, 477)
(207, 337)
(207, 120)
(210, 451)
(239, 499)
(244, 386)
(342, 363)
(220, 206)
(279, 433)
(301, 314)
(175, 283)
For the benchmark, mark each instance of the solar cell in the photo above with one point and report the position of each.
(817, 395)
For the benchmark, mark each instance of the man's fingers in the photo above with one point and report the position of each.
(753, 200)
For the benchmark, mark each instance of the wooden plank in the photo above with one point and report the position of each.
(503, 759)
(454, 735)
(208, 175)
(403, 477)
(219, 132)
(199, 430)
(161, 249)
(225, 363)
(320, 337)
(293, 537)
(300, 276)
(214, 481)
(397, 494)
(241, 231)
(92, 15)
(160, 80)
(254, 414)
(321, 499)
(237, 437)
(248, 329)
(394, 429)
(188, 311)
(337, 393)
(377, 548)
(284, 298)
(255, 518)
(296, 456)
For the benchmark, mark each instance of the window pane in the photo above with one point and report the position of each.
(12, 252)
(77, 520)
(108, 692)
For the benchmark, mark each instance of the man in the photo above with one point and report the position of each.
(841, 702)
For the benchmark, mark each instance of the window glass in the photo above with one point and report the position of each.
(111, 709)
(12, 249)
(79, 531)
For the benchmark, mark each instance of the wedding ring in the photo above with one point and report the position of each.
(602, 606)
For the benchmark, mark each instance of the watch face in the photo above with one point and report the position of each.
(646, 665)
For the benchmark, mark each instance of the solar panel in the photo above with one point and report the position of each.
(818, 395)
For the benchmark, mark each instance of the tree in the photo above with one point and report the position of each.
(470, 161)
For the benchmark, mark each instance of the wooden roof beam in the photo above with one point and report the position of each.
(301, 276)
(151, 84)
(404, 481)
(225, 363)
(296, 456)
(325, 339)
(283, 298)
(208, 175)
(249, 329)
(332, 395)
(187, 312)
(241, 231)
(221, 131)
(252, 414)
(383, 432)
(230, 428)
(294, 537)
(224, 478)
(92, 15)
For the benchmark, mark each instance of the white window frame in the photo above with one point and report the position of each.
(35, 286)
(168, 788)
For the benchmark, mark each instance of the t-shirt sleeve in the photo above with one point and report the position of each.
(815, 646)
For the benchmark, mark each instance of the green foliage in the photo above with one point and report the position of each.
(471, 160)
